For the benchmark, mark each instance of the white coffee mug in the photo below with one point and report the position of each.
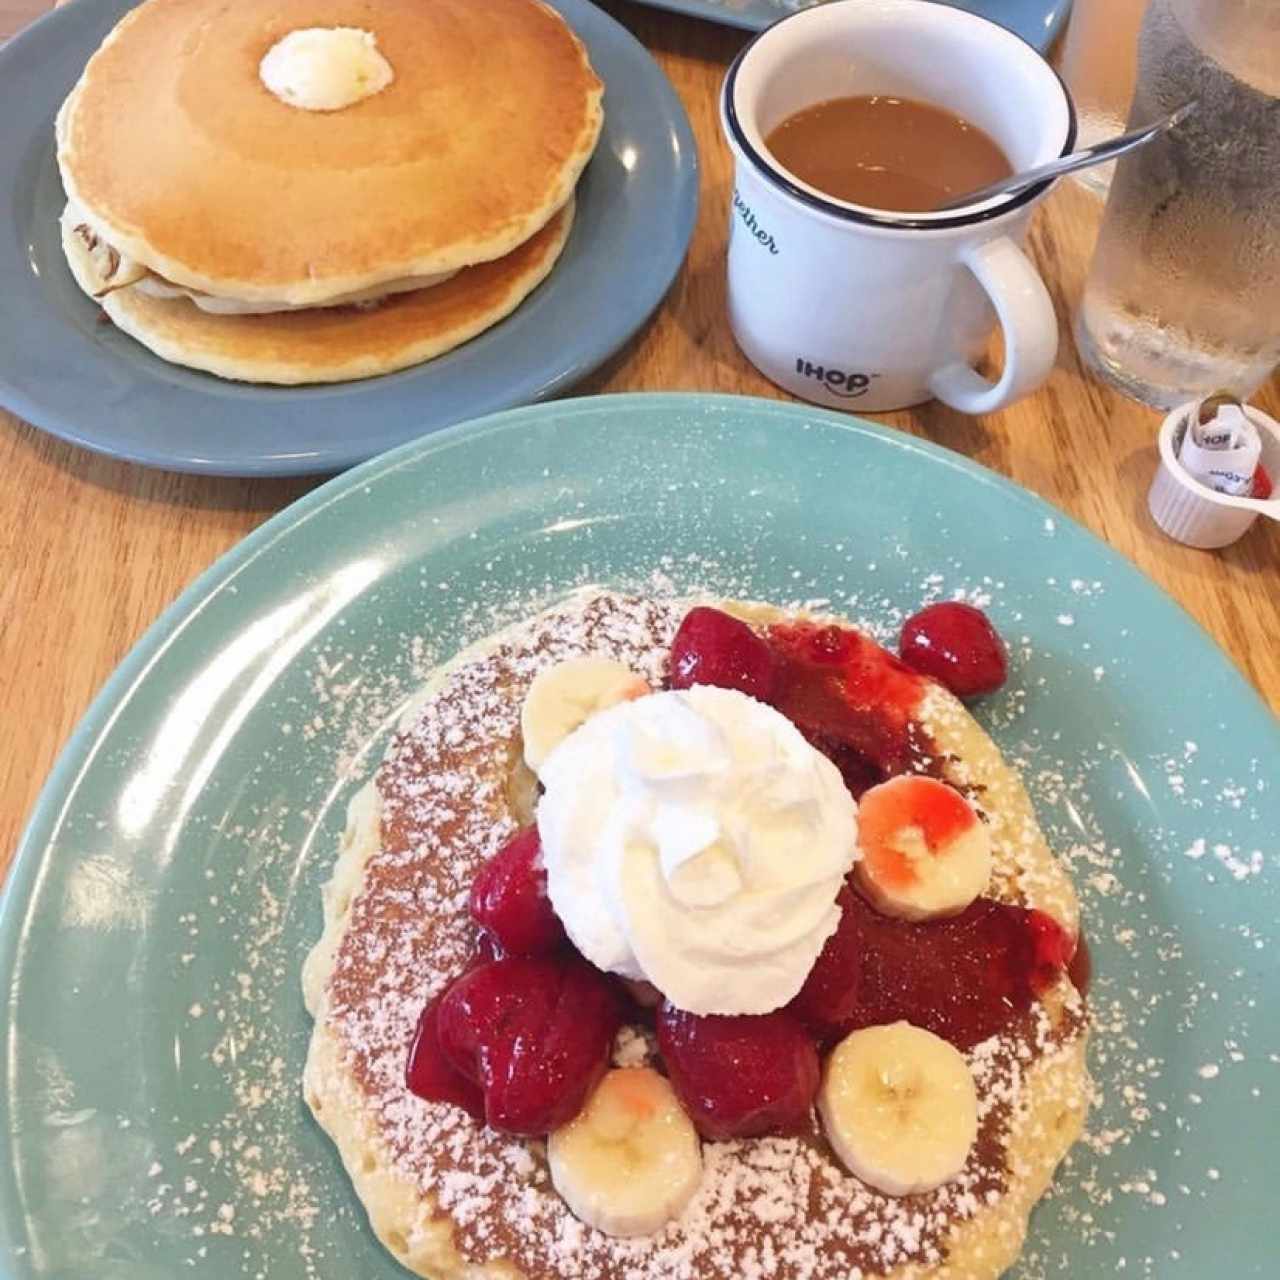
(859, 308)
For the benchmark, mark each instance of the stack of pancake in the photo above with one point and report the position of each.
(300, 191)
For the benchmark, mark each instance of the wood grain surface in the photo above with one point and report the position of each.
(92, 550)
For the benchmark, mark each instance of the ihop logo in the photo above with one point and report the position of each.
(848, 386)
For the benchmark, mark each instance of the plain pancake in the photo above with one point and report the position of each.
(453, 1200)
(101, 269)
(330, 344)
(182, 159)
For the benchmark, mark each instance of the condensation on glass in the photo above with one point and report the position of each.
(1183, 295)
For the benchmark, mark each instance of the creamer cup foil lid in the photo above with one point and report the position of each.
(1218, 459)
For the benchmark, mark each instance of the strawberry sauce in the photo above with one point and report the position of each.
(851, 699)
(1080, 970)
(940, 812)
(964, 978)
(518, 1040)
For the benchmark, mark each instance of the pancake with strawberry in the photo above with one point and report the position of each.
(692, 939)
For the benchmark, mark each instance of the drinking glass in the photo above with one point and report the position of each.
(1183, 294)
(1100, 66)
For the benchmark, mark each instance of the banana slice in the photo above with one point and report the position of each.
(899, 1107)
(925, 851)
(566, 695)
(100, 267)
(630, 1161)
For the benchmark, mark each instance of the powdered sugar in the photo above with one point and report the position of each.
(634, 1047)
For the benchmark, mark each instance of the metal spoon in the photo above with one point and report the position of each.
(1095, 154)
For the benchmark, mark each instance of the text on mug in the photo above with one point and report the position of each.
(743, 211)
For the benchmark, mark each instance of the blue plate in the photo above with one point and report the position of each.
(64, 370)
(166, 889)
(1037, 21)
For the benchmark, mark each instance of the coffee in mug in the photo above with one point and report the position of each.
(854, 305)
(887, 152)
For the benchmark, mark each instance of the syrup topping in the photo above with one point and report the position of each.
(965, 978)
(1080, 970)
(854, 702)
(938, 811)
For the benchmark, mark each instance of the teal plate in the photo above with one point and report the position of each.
(166, 889)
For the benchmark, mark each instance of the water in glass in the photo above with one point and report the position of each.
(1183, 295)
(1100, 65)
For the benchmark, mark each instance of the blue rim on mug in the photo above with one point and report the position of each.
(774, 173)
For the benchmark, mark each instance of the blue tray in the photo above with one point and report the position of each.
(1036, 21)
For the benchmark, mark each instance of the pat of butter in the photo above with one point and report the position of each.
(325, 68)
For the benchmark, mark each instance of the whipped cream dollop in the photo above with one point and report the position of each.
(695, 840)
(325, 68)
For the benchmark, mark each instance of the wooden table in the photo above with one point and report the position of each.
(92, 550)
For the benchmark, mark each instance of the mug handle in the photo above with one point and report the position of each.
(1030, 331)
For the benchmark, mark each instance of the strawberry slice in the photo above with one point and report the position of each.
(740, 1076)
(509, 899)
(955, 644)
(430, 1075)
(713, 647)
(534, 1032)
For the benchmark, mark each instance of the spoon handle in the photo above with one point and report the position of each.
(1082, 159)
